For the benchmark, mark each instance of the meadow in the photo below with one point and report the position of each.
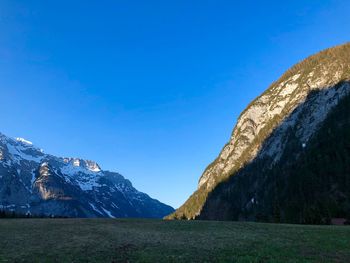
(135, 240)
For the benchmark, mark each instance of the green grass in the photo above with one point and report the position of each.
(108, 240)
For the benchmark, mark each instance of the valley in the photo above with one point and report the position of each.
(152, 240)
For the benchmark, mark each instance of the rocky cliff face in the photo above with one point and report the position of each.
(300, 100)
(41, 184)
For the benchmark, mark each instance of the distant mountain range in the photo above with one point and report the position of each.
(288, 158)
(42, 184)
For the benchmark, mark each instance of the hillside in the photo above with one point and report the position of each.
(36, 183)
(261, 173)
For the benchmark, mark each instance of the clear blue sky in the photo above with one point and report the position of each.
(151, 89)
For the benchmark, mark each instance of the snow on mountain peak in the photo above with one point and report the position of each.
(76, 162)
(84, 164)
(92, 166)
(38, 183)
(24, 141)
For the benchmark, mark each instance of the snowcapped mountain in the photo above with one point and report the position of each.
(42, 184)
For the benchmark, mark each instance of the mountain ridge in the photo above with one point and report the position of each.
(34, 182)
(323, 71)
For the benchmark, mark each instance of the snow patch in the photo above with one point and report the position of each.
(24, 141)
(115, 206)
(94, 169)
(108, 213)
(85, 178)
(94, 207)
(76, 162)
(32, 181)
(18, 154)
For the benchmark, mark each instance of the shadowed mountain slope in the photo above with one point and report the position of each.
(291, 112)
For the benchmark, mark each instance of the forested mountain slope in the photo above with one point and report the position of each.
(263, 171)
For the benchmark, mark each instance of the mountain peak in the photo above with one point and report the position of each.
(88, 164)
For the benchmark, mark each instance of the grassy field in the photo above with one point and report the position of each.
(108, 240)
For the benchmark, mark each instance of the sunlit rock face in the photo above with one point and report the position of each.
(278, 102)
(41, 184)
(281, 106)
